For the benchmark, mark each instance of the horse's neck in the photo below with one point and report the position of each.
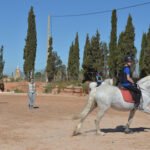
(144, 85)
(144, 81)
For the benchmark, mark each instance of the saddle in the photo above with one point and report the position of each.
(127, 96)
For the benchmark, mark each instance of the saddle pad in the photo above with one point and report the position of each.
(127, 96)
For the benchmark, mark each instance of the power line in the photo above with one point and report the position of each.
(100, 12)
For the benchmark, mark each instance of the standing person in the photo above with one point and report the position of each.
(31, 93)
(2, 88)
(98, 79)
(128, 83)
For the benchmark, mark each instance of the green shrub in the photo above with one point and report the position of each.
(18, 91)
(85, 88)
(62, 84)
(49, 87)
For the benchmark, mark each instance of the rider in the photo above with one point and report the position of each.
(127, 81)
(98, 79)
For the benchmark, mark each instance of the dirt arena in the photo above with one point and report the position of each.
(50, 126)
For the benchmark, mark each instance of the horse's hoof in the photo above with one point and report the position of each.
(128, 131)
(100, 133)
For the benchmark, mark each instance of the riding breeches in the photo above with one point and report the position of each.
(136, 93)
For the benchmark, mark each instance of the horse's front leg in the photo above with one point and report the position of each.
(131, 115)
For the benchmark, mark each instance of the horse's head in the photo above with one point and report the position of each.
(144, 85)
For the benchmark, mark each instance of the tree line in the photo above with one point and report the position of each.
(98, 56)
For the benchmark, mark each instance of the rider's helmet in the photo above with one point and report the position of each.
(128, 59)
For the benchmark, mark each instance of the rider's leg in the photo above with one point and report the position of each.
(136, 93)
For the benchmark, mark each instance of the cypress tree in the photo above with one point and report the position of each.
(60, 69)
(104, 58)
(76, 59)
(92, 58)
(70, 70)
(86, 54)
(113, 45)
(30, 46)
(125, 45)
(1, 62)
(96, 52)
(146, 60)
(142, 55)
(73, 60)
(50, 67)
(129, 38)
(120, 52)
(87, 60)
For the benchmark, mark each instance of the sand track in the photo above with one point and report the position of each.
(50, 126)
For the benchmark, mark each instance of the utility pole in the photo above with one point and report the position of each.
(48, 37)
(48, 34)
(136, 72)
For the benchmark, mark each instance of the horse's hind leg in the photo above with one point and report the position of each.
(131, 115)
(79, 125)
(100, 115)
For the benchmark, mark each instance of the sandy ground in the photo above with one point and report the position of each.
(50, 126)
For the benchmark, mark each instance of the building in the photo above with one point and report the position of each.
(17, 74)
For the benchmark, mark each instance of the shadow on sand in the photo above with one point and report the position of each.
(121, 129)
(35, 107)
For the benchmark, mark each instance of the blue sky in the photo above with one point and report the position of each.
(13, 26)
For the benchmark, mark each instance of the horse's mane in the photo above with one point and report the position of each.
(144, 81)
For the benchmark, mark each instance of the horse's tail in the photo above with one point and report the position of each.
(90, 105)
(92, 85)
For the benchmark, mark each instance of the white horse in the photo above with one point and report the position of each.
(91, 104)
(106, 96)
